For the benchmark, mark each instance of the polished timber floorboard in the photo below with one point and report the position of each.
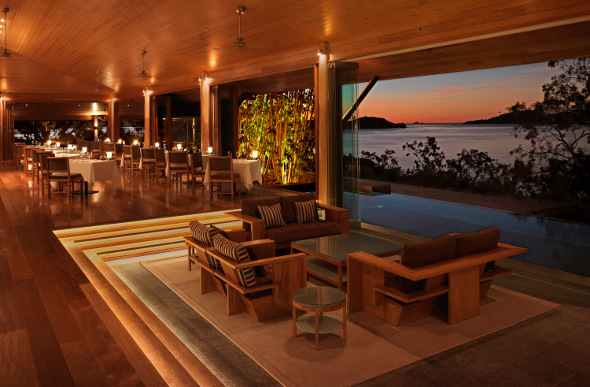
(57, 330)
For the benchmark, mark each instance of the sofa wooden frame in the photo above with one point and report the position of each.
(458, 283)
(257, 229)
(289, 273)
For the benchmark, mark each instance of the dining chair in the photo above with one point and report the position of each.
(96, 148)
(178, 165)
(221, 170)
(160, 163)
(148, 161)
(30, 157)
(43, 174)
(119, 154)
(134, 159)
(39, 161)
(58, 170)
(109, 147)
(197, 169)
(19, 155)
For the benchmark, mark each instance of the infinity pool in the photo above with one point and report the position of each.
(553, 243)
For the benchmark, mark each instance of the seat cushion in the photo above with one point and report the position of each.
(432, 251)
(272, 216)
(250, 206)
(294, 231)
(288, 205)
(477, 242)
(238, 253)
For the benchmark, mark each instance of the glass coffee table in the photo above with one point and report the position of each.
(317, 300)
(326, 256)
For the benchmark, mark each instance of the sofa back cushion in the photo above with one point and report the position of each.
(306, 212)
(288, 205)
(428, 252)
(477, 242)
(238, 253)
(250, 206)
(272, 216)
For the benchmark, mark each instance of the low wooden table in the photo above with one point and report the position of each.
(327, 255)
(317, 300)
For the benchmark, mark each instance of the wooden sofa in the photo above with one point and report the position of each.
(452, 272)
(336, 220)
(271, 297)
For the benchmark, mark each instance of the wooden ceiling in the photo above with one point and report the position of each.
(58, 47)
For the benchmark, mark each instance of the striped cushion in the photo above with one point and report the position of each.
(238, 253)
(203, 233)
(306, 212)
(272, 216)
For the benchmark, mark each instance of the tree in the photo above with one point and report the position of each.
(556, 129)
(429, 158)
(35, 131)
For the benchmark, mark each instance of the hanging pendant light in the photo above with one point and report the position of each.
(5, 53)
(97, 83)
(143, 73)
(240, 41)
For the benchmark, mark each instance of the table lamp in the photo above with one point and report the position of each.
(107, 140)
(179, 146)
(157, 145)
(109, 155)
(84, 149)
(120, 141)
(48, 142)
(210, 149)
(135, 142)
(254, 154)
(57, 144)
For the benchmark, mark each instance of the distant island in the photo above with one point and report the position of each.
(511, 118)
(375, 123)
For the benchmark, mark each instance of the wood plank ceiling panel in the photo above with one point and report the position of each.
(74, 39)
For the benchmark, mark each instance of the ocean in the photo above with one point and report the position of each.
(497, 140)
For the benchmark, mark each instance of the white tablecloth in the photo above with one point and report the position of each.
(95, 170)
(249, 171)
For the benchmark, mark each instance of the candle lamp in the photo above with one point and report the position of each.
(210, 149)
(254, 154)
(48, 142)
(120, 141)
(135, 142)
(157, 145)
(107, 140)
(84, 149)
(109, 155)
(179, 146)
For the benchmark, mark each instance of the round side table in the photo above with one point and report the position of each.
(317, 300)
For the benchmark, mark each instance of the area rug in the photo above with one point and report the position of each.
(373, 347)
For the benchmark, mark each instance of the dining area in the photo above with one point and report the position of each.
(73, 169)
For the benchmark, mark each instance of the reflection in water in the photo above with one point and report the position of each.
(553, 243)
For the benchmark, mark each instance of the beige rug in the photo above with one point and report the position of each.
(373, 347)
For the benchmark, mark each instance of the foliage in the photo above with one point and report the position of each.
(555, 131)
(35, 132)
(280, 126)
(429, 158)
(69, 131)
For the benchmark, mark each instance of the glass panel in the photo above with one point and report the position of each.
(179, 131)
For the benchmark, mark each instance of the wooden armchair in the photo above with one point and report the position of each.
(267, 299)
(457, 284)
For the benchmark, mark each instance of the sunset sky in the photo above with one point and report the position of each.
(456, 97)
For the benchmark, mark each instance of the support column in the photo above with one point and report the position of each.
(114, 131)
(6, 129)
(95, 126)
(322, 96)
(149, 118)
(206, 132)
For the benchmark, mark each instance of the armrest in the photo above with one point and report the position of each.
(336, 215)
(264, 248)
(192, 242)
(259, 262)
(256, 224)
(503, 251)
(237, 235)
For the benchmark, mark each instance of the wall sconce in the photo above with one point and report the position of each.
(135, 142)
(179, 146)
(210, 149)
(324, 49)
(157, 145)
(254, 154)
(109, 155)
(84, 149)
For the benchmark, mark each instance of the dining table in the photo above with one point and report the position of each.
(249, 171)
(95, 170)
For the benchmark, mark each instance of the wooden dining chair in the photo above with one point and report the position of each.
(160, 163)
(197, 168)
(109, 147)
(43, 174)
(19, 155)
(134, 159)
(148, 161)
(58, 170)
(30, 157)
(96, 148)
(119, 154)
(38, 164)
(178, 165)
(221, 171)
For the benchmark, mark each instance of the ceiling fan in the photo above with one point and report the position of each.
(240, 41)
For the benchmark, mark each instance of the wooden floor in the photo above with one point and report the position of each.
(55, 326)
